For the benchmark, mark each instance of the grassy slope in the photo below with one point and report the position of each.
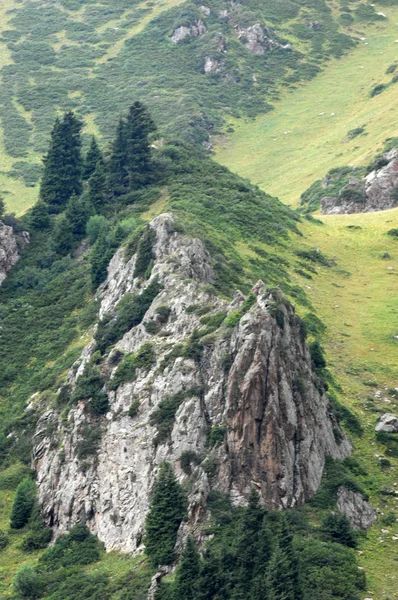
(286, 164)
(357, 298)
(357, 301)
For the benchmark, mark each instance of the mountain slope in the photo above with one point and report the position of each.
(307, 133)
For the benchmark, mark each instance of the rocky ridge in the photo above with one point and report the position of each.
(377, 191)
(9, 248)
(248, 408)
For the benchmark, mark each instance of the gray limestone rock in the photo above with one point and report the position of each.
(358, 511)
(251, 379)
(388, 423)
(9, 250)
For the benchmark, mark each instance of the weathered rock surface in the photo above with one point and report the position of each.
(388, 423)
(255, 38)
(377, 191)
(249, 381)
(196, 29)
(358, 511)
(9, 250)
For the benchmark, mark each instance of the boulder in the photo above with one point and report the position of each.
(357, 510)
(388, 423)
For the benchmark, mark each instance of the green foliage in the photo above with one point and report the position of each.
(144, 254)
(23, 503)
(28, 583)
(345, 416)
(77, 213)
(163, 416)
(216, 436)
(93, 157)
(10, 478)
(96, 225)
(129, 313)
(187, 574)
(39, 217)
(168, 508)
(144, 358)
(89, 387)
(134, 408)
(335, 475)
(78, 547)
(337, 528)
(97, 187)
(63, 163)
(4, 541)
(335, 180)
(393, 233)
(317, 356)
(187, 458)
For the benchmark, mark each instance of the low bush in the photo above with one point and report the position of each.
(163, 416)
(23, 503)
(144, 358)
(78, 547)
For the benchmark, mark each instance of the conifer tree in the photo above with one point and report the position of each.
(93, 157)
(138, 128)
(97, 188)
(118, 168)
(99, 259)
(63, 163)
(39, 217)
(62, 241)
(78, 212)
(23, 503)
(187, 574)
(164, 518)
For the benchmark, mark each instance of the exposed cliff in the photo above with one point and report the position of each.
(377, 191)
(9, 249)
(224, 391)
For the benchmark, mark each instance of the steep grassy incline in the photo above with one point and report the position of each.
(286, 150)
(357, 301)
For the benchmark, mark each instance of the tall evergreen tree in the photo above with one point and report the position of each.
(118, 168)
(187, 574)
(97, 188)
(283, 573)
(62, 240)
(164, 518)
(93, 157)
(63, 163)
(38, 216)
(138, 128)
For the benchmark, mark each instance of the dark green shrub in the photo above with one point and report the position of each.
(337, 528)
(377, 89)
(23, 503)
(4, 541)
(37, 540)
(317, 356)
(89, 386)
(393, 233)
(163, 416)
(144, 257)
(89, 440)
(78, 547)
(129, 313)
(134, 408)
(28, 583)
(352, 194)
(216, 436)
(11, 477)
(188, 458)
(126, 371)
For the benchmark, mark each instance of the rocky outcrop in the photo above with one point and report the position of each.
(377, 191)
(388, 423)
(248, 408)
(255, 38)
(358, 511)
(9, 248)
(196, 29)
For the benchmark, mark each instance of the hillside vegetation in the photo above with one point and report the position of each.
(94, 57)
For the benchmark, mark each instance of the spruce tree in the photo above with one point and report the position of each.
(93, 157)
(63, 163)
(23, 503)
(138, 128)
(118, 168)
(187, 574)
(167, 510)
(62, 241)
(97, 188)
(78, 212)
(99, 259)
(39, 217)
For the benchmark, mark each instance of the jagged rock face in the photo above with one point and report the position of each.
(251, 378)
(9, 252)
(255, 38)
(358, 511)
(388, 423)
(377, 191)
